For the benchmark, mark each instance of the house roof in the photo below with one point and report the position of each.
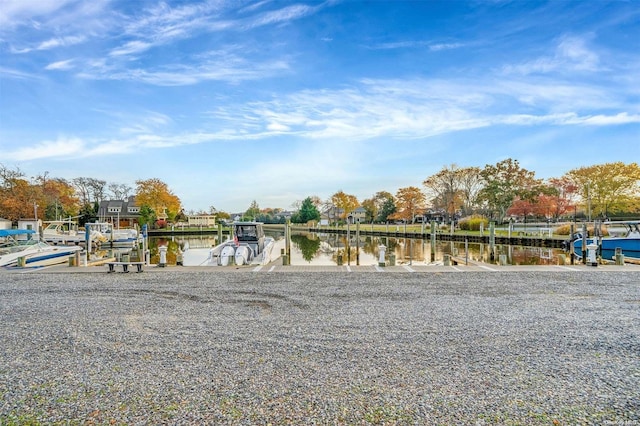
(107, 208)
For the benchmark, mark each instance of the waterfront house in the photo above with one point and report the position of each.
(122, 213)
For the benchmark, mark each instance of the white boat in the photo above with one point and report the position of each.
(66, 232)
(121, 237)
(31, 252)
(249, 246)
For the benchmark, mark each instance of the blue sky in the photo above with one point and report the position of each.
(229, 101)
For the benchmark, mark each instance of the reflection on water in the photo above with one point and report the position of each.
(335, 249)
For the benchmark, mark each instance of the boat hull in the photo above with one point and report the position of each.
(630, 247)
(41, 257)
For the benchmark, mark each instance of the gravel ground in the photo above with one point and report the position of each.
(320, 348)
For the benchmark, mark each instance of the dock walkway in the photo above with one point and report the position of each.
(277, 267)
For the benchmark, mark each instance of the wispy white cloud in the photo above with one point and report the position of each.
(282, 15)
(445, 46)
(52, 43)
(14, 13)
(422, 108)
(60, 65)
(14, 73)
(571, 55)
(369, 110)
(412, 44)
(222, 66)
(59, 148)
(61, 41)
(569, 119)
(135, 46)
(144, 123)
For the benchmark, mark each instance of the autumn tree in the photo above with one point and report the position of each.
(444, 189)
(607, 188)
(470, 185)
(344, 203)
(409, 201)
(505, 181)
(566, 197)
(370, 209)
(20, 201)
(454, 188)
(156, 195)
(60, 199)
(522, 208)
(15, 194)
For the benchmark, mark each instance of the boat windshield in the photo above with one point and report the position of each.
(246, 232)
(16, 247)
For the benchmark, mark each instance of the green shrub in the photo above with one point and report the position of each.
(472, 223)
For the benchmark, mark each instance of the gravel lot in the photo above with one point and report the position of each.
(320, 348)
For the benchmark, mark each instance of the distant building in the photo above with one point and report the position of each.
(334, 214)
(31, 224)
(357, 216)
(123, 213)
(206, 220)
(5, 223)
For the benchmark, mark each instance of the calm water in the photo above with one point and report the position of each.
(328, 249)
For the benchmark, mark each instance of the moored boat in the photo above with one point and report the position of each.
(118, 237)
(31, 252)
(625, 239)
(249, 246)
(66, 232)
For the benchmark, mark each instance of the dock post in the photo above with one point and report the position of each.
(492, 240)
(466, 250)
(381, 255)
(572, 250)
(357, 242)
(584, 243)
(87, 237)
(145, 245)
(287, 240)
(433, 240)
(348, 245)
(163, 256)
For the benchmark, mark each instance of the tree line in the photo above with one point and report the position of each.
(49, 198)
(497, 191)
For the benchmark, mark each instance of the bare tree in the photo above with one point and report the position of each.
(120, 191)
(9, 177)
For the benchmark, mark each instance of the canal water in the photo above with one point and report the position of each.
(335, 249)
